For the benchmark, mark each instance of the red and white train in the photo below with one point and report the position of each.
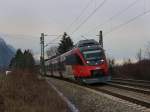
(86, 62)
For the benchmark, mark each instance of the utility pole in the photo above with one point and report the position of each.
(42, 59)
(101, 38)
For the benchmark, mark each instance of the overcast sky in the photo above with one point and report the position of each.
(22, 21)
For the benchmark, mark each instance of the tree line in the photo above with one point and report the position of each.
(22, 60)
(25, 60)
(135, 70)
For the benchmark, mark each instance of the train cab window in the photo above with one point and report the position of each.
(94, 57)
(73, 59)
(78, 59)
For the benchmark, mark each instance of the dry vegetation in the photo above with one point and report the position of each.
(24, 92)
(139, 70)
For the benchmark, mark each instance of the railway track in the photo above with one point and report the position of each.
(130, 88)
(131, 96)
(138, 96)
(134, 83)
(132, 80)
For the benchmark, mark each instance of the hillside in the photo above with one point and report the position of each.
(6, 53)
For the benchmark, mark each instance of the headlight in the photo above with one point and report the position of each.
(102, 60)
(87, 62)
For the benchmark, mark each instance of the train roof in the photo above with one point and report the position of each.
(93, 47)
(89, 42)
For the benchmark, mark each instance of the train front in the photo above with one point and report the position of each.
(95, 68)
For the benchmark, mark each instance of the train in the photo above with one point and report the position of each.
(85, 62)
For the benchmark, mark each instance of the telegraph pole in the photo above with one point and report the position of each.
(42, 59)
(101, 38)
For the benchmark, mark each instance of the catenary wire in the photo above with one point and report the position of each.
(127, 22)
(115, 16)
(79, 16)
(88, 17)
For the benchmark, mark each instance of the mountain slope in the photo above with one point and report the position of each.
(6, 53)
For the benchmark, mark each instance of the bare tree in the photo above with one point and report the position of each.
(52, 51)
(139, 55)
(111, 63)
(147, 52)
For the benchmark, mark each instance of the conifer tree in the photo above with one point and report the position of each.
(23, 60)
(65, 44)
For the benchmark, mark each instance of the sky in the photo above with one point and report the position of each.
(125, 23)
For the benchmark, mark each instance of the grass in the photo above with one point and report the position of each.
(24, 92)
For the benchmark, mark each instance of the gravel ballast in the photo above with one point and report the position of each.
(87, 100)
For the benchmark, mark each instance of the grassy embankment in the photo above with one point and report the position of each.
(24, 92)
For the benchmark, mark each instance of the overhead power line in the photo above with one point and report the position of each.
(127, 22)
(51, 35)
(78, 17)
(19, 35)
(56, 38)
(24, 35)
(88, 17)
(52, 41)
(116, 15)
